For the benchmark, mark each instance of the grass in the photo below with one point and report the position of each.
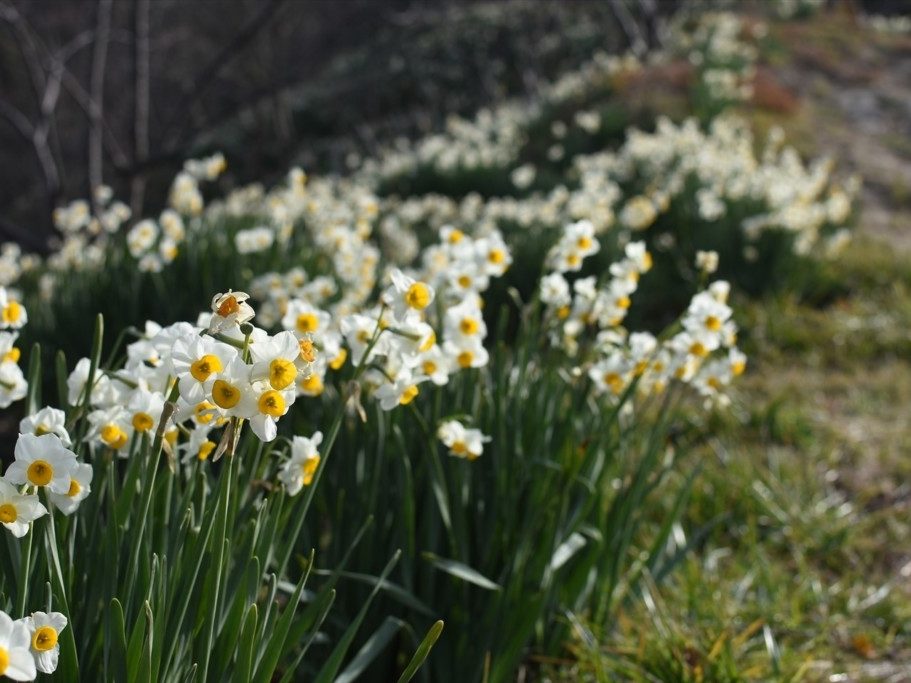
(800, 573)
(802, 500)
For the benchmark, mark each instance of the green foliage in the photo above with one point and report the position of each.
(547, 520)
(798, 507)
(177, 571)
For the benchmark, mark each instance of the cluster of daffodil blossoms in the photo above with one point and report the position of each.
(155, 244)
(13, 316)
(219, 372)
(415, 342)
(495, 137)
(896, 24)
(42, 460)
(87, 228)
(29, 645)
(200, 377)
(631, 187)
(703, 353)
(720, 46)
(794, 197)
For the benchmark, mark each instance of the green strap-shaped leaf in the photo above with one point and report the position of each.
(33, 399)
(566, 550)
(334, 663)
(324, 604)
(393, 590)
(371, 649)
(134, 649)
(421, 653)
(117, 646)
(61, 375)
(144, 672)
(462, 571)
(245, 646)
(279, 635)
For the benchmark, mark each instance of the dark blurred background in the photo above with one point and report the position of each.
(122, 91)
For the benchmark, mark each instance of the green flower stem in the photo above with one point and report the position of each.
(224, 504)
(330, 441)
(154, 455)
(68, 640)
(439, 476)
(25, 568)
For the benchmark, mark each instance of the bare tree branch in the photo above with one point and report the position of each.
(46, 94)
(23, 34)
(18, 120)
(651, 19)
(84, 100)
(96, 90)
(37, 137)
(141, 100)
(56, 65)
(205, 77)
(629, 26)
(72, 85)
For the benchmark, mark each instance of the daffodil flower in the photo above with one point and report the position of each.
(706, 316)
(462, 442)
(466, 352)
(611, 375)
(433, 365)
(9, 352)
(231, 392)
(492, 254)
(230, 310)
(44, 630)
(303, 318)
(16, 660)
(409, 338)
(101, 392)
(359, 330)
(274, 360)
(142, 237)
(268, 405)
(312, 384)
(145, 409)
(80, 488)
(112, 427)
(46, 421)
(13, 385)
(42, 461)
(299, 469)
(12, 313)
(465, 277)
(199, 446)
(401, 389)
(406, 295)
(18, 510)
(464, 321)
(197, 362)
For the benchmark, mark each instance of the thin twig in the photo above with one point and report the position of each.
(96, 89)
(628, 24)
(207, 74)
(141, 52)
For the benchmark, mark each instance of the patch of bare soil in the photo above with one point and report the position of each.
(855, 86)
